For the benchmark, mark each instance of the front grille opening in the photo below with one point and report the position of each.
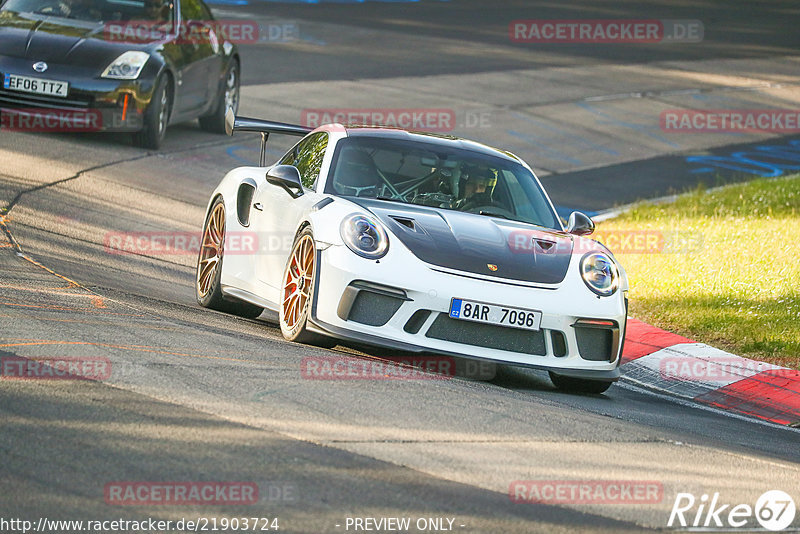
(415, 322)
(559, 343)
(17, 100)
(487, 335)
(373, 309)
(595, 344)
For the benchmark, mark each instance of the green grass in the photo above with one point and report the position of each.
(737, 285)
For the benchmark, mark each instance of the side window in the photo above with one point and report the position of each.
(307, 157)
(289, 158)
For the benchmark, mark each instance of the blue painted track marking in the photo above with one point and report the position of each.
(767, 161)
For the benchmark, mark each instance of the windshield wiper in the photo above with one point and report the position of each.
(390, 199)
(493, 214)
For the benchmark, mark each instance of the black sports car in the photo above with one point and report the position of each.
(122, 65)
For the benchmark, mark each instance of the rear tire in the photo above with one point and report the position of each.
(227, 98)
(156, 118)
(209, 268)
(579, 385)
(297, 292)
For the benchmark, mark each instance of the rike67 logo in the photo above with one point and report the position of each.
(774, 510)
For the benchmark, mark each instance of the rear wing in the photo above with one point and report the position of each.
(244, 124)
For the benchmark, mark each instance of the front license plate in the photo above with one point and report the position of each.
(480, 312)
(37, 86)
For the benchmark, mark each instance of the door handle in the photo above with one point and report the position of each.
(258, 206)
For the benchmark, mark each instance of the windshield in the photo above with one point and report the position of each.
(97, 10)
(427, 174)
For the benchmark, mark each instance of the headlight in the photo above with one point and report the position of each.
(364, 236)
(128, 66)
(599, 273)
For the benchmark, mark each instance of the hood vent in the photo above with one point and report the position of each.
(467, 242)
(405, 221)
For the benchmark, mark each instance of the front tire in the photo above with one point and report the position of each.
(579, 385)
(156, 118)
(209, 268)
(228, 98)
(297, 292)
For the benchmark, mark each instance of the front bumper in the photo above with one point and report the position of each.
(92, 104)
(402, 303)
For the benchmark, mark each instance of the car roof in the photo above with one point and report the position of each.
(440, 139)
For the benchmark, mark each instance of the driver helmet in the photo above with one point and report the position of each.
(477, 179)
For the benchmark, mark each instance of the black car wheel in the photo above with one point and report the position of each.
(228, 98)
(579, 385)
(156, 118)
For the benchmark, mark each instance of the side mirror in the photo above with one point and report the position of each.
(579, 224)
(287, 177)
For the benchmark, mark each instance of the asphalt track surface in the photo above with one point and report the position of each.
(196, 395)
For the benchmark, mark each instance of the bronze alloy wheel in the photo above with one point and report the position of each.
(211, 250)
(209, 268)
(297, 282)
(297, 292)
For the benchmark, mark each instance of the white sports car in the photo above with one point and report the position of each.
(413, 241)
